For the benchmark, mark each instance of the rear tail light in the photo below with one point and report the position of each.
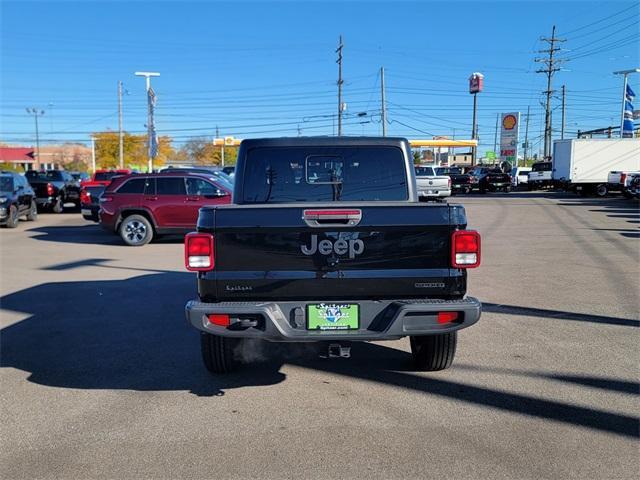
(220, 319)
(465, 249)
(447, 317)
(449, 183)
(198, 252)
(85, 197)
(49, 189)
(623, 177)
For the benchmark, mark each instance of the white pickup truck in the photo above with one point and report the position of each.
(620, 181)
(430, 185)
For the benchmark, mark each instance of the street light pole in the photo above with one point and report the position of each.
(624, 74)
(36, 114)
(120, 134)
(150, 126)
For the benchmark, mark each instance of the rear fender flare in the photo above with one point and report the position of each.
(125, 212)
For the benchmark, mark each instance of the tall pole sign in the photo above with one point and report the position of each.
(510, 126)
(626, 117)
(476, 84)
(152, 140)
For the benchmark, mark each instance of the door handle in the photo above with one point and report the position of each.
(337, 217)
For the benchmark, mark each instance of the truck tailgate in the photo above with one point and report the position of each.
(278, 252)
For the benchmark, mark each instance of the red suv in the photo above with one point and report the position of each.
(141, 207)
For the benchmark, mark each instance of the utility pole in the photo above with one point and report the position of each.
(495, 135)
(120, 133)
(526, 136)
(383, 106)
(36, 113)
(150, 123)
(340, 82)
(563, 113)
(550, 67)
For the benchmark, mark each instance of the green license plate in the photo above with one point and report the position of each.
(333, 316)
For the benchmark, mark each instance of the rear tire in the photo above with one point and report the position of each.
(58, 206)
(136, 230)
(432, 353)
(602, 190)
(33, 212)
(12, 219)
(218, 353)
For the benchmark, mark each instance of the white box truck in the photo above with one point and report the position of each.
(583, 164)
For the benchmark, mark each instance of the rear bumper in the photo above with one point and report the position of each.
(379, 319)
(498, 185)
(90, 212)
(435, 193)
(46, 201)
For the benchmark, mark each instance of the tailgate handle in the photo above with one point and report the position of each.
(323, 218)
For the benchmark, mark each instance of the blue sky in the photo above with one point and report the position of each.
(268, 68)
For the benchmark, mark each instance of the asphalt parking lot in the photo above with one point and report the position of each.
(101, 376)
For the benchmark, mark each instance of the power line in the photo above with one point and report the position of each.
(601, 20)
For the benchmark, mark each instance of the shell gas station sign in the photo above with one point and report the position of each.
(510, 126)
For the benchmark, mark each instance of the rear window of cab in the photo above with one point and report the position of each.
(304, 174)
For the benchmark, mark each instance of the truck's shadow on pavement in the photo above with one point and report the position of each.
(130, 334)
(91, 233)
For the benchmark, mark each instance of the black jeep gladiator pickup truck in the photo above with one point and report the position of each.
(325, 241)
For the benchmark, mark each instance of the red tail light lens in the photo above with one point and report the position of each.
(465, 249)
(623, 177)
(85, 196)
(49, 189)
(446, 317)
(219, 319)
(449, 183)
(198, 252)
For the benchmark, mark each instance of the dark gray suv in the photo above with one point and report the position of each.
(17, 199)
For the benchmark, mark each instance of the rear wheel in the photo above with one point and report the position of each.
(602, 190)
(218, 353)
(12, 220)
(58, 206)
(136, 230)
(33, 212)
(434, 352)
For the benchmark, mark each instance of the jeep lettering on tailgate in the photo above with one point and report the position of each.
(327, 247)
